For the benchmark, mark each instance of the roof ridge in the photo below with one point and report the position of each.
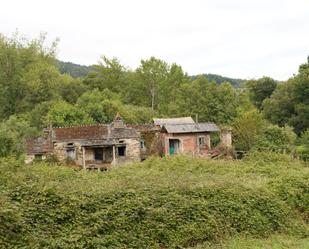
(80, 125)
(174, 118)
(180, 124)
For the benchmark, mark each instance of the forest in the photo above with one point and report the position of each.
(264, 114)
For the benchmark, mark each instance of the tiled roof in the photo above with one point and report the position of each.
(124, 133)
(38, 145)
(191, 128)
(93, 132)
(144, 127)
(98, 131)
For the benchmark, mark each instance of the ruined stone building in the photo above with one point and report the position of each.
(103, 145)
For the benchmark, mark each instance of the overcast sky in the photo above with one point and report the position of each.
(236, 38)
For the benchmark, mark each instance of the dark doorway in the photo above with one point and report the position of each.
(174, 145)
(98, 154)
(38, 157)
(214, 139)
(122, 151)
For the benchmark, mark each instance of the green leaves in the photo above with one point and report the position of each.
(289, 103)
(108, 74)
(28, 75)
(211, 102)
(246, 128)
(260, 89)
(153, 73)
(65, 114)
(12, 135)
(164, 202)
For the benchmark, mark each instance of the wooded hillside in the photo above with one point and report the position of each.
(34, 93)
(76, 70)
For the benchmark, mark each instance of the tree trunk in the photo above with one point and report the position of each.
(152, 92)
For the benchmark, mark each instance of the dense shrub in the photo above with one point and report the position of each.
(276, 139)
(161, 203)
(302, 149)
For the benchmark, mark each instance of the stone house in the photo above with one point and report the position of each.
(89, 146)
(102, 146)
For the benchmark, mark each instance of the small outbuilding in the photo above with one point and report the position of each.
(184, 136)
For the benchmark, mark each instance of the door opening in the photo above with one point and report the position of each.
(174, 145)
(98, 154)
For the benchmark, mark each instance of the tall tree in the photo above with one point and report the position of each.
(260, 90)
(27, 74)
(170, 89)
(289, 104)
(64, 114)
(280, 107)
(246, 129)
(101, 106)
(107, 74)
(70, 88)
(208, 100)
(153, 72)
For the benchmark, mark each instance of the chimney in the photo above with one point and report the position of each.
(196, 118)
(118, 122)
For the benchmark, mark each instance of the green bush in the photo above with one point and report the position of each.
(168, 202)
(266, 158)
(303, 152)
(276, 139)
(302, 149)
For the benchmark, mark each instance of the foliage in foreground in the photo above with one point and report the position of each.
(160, 203)
(275, 241)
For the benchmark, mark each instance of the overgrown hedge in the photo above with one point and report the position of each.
(160, 203)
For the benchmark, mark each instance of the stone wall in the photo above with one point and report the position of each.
(60, 151)
(133, 152)
(29, 159)
(226, 137)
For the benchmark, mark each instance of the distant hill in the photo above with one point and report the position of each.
(237, 83)
(75, 70)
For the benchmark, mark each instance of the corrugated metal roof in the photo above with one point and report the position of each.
(191, 128)
(165, 121)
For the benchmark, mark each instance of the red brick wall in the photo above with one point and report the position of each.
(188, 143)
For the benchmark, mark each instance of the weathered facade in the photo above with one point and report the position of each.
(102, 146)
(91, 146)
(184, 136)
(150, 142)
